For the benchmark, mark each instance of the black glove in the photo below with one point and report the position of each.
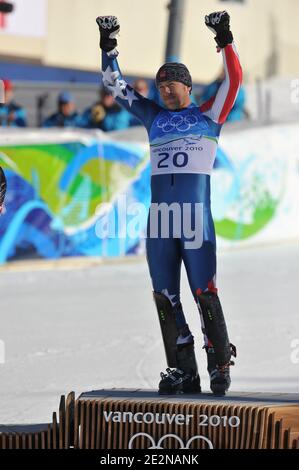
(218, 22)
(109, 28)
(2, 186)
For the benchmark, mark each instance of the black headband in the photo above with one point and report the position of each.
(175, 72)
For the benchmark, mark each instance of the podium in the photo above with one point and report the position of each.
(142, 419)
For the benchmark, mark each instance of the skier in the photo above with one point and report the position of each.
(183, 143)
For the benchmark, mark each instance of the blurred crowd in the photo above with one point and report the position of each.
(105, 113)
(11, 114)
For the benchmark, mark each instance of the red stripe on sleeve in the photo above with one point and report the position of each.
(207, 104)
(235, 79)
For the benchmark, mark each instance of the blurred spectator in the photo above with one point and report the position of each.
(238, 111)
(11, 114)
(65, 116)
(141, 86)
(105, 114)
(2, 99)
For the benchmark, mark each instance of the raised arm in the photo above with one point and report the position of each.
(141, 107)
(218, 107)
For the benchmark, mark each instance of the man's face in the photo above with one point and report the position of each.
(175, 95)
(141, 87)
(67, 109)
(108, 101)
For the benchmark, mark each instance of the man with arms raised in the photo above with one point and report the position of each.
(183, 141)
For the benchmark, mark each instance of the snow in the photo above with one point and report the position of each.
(83, 326)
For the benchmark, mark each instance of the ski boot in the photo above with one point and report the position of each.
(219, 374)
(219, 349)
(183, 379)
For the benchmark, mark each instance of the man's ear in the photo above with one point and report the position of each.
(190, 89)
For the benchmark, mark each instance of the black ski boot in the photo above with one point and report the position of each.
(219, 349)
(219, 374)
(183, 379)
(177, 381)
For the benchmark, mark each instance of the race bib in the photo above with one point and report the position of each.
(184, 156)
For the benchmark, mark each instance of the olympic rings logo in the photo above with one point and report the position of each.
(174, 436)
(179, 123)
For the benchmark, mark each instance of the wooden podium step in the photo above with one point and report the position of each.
(141, 419)
(122, 419)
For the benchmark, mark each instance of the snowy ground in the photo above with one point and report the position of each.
(95, 327)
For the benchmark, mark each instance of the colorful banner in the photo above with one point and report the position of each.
(255, 191)
(76, 193)
(60, 185)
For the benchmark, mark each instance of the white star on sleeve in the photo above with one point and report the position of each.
(109, 76)
(130, 96)
(117, 86)
(117, 89)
